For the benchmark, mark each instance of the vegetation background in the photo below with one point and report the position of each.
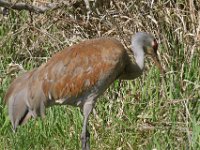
(146, 113)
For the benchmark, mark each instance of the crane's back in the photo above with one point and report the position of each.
(77, 70)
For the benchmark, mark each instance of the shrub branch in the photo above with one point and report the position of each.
(28, 7)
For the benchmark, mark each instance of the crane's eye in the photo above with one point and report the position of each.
(155, 46)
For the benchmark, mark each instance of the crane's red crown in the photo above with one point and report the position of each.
(155, 45)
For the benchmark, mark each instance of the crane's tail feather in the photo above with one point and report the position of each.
(27, 115)
(18, 110)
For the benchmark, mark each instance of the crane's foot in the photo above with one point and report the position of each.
(85, 138)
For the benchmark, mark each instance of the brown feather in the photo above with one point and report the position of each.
(79, 68)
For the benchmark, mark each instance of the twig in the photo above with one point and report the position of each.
(177, 101)
(26, 6)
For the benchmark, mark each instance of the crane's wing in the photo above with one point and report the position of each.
(81, 67)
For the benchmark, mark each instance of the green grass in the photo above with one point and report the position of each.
(150, 120)
(145, 114)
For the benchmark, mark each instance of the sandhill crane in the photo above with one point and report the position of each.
(77, 76)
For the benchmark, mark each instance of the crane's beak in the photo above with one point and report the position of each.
(157, 63)
(153, 54)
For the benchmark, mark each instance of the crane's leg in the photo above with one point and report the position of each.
(85, 135)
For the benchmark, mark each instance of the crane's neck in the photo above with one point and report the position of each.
(139, 56)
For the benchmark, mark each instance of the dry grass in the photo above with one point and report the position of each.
(143, 114)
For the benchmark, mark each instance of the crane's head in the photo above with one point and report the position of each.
(145, 44)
